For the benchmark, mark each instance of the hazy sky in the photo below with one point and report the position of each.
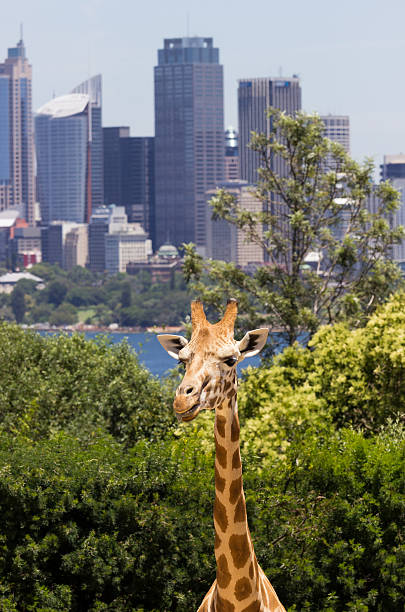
(349, 54)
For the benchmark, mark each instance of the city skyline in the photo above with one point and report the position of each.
(340, 53)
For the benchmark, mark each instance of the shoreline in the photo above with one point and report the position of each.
(110, 329)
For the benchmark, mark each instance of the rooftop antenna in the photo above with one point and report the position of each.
(280, 71)
(21, 31)
(188, 24)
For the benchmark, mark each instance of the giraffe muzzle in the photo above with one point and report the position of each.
(183, 410)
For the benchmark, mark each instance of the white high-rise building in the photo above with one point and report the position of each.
(337, 129)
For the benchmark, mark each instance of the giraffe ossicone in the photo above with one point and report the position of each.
(210, 383)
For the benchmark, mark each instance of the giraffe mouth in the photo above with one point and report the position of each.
(191, 413)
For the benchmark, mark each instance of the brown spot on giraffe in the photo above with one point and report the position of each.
(231, 393)
(220, 515)
(236, 459)
(219, 481)
(235, 489)
(221, 455)
(240, 551)
(235, 429)
(223, 605)
(221, 420)
(223, 574)
(240, 514)
(217, 543)
(251, 574)
(227, 386)
(243, 588)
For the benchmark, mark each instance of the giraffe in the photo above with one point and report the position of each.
(210, 382)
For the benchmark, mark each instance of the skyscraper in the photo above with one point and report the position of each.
(62, 129)
(16, 133)
(337, 129)
(93, 88)
(254, 97)
(112, 163)
(189, 137)
(129, 176)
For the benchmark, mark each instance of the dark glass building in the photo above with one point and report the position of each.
(129, 178)
(112, 163)
(189, 138)
(98, 228)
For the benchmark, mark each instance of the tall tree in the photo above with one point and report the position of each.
(326, 251)
(18, 303)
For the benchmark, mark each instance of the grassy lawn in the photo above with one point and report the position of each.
(83, 315)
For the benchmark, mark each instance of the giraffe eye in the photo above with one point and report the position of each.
(230, 361)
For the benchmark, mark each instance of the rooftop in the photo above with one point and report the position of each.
(14, 277)
(65, 106)
(8, 217)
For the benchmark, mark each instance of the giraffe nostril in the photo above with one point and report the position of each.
(188, 390)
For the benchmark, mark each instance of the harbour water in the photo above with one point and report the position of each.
(149, 351)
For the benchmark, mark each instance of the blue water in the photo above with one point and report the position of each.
(150, 352)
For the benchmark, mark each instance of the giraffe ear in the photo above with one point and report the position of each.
(172, 344)
(253, 342)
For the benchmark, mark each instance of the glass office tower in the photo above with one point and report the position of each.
(17, 187)
(189, 138)
(129, 174)
(62, 137)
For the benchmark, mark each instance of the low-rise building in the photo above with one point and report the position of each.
(160, 266)
(25, 247)
(8, 281)
(65, 243)
(128, 243)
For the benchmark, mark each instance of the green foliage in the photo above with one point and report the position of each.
(317, 205)
(328, 523)
(106, 504)
(17, 303)
(55, 292)
(86, 526)
(353, 377)
(128, 300)
(55, 382)
(64, 314)
(94, 528)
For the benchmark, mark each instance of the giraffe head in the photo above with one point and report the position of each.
(210, 359)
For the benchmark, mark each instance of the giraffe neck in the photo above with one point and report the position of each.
(237, 569)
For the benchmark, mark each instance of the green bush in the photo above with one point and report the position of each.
(329, 523)
(65, 382)
(93, 528)
(354, 377)
(90, 527)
